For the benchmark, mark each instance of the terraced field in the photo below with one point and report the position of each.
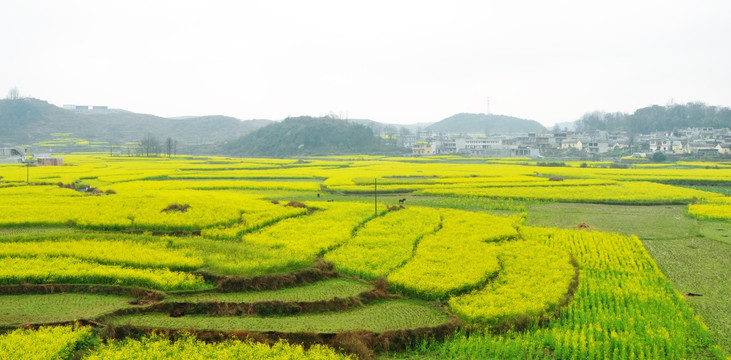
(19, 310)
(318, 291)
(466, 258)
(378, 317)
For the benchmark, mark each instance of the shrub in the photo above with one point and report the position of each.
(176, 207)
(296, 204)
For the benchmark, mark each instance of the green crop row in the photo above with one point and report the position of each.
(45, 343)
(377, 317)
(385, 243)
(66, 270)
(456, 258)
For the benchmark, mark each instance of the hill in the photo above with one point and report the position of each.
(482, 123)
(658, 118)
(26, 121)
(307, 136)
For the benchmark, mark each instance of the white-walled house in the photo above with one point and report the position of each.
(568, 144)
(422, 148)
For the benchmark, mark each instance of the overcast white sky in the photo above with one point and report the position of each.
(389, 61)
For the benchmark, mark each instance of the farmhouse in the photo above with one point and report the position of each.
(422, 148)
(10, 156)
(572, 144)
(48, 160)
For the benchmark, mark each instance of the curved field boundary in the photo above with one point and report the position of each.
(524, 321)
(261, 308)
(532, 284)
(341, 287)
(224, 283)
(229, 283)
(361, 343)
(143, 295)
(21, 310)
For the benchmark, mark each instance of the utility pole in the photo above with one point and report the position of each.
(375, 194)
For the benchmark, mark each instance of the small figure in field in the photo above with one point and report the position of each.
(318, 194)
(401, 201)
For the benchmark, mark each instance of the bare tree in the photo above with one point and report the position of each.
(13, 94)
(170, 146)
(150, 145)
(112, 145)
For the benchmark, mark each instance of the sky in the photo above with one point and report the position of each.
(399, 62)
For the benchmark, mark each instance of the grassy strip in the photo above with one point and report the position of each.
(716, 230)
(378, 317)
(17, 310)
(321, 290)
(35, 230)
(646, 222)
(721, 188)
(144, 295)
(700, 266)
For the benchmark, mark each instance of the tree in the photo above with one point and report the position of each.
(659, 156)
(389, 131)
(13, 94)
(150, 145)
(112, 145)
(170, 146)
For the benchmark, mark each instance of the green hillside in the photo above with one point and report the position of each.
(27, 121)
(482, 123)
(307, 136)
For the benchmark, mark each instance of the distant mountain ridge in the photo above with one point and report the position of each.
(483, 123)
(27, 120)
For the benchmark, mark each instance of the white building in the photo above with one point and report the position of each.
(568, 144)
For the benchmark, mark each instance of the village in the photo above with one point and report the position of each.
(693, 142)
(689, 142)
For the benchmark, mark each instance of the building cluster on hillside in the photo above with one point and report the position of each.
(698, 141)
(95, 108)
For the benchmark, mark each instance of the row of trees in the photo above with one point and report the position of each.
(150, 146)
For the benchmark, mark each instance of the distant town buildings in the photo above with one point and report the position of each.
(698, 141)
(95, 108)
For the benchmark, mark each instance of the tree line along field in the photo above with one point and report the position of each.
(211, 257)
